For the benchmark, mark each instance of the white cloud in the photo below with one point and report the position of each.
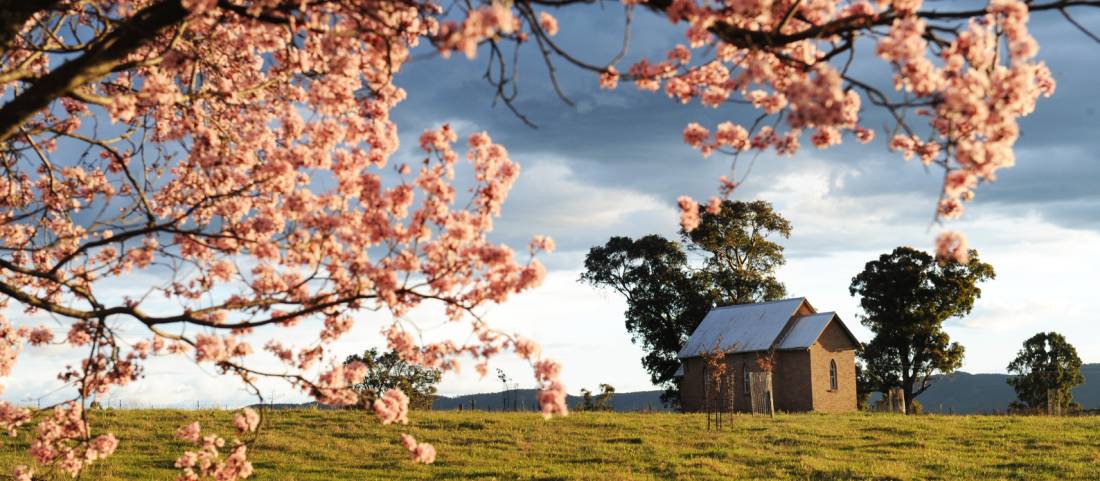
(552, 199)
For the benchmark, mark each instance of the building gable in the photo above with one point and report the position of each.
(836, 337)
(744, 327)
(806, 330)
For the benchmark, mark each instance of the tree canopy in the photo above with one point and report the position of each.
(1047, 362)
(387, 371)
(906, 295)
(668, 292)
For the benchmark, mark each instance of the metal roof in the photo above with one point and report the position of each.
(805, 330)
(741, 328)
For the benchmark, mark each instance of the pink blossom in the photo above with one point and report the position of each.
(11, 343)
(726, 186)
(420, 452)
(247, 420)
(190, 432)
(39, 336)
(950, 208)
(78, 334)
(552, 393)
(951, 247)
(731, 135)
(335, 327)
(101, 447)
(541, 243)
(695, 135)
(527, 348)
(211, 347)
(864, 135)
(609, 78)
(548, 23)
(22, 473)
(906, 6)
(59, 441)
(714, 206)
(959, 182)
(392, 407)
(689, 213)
(12, 417)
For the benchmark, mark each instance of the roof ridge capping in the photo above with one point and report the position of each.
(789, 299)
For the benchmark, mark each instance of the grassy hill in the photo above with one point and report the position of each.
(329, 445)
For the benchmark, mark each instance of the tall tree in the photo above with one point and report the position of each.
(1046, 363)
(740, 260)
(668, 295)
(906, 296)
(387, 371)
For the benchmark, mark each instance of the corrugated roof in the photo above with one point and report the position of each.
(741, 328)
(805, 330)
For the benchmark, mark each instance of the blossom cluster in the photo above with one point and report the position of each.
(63, 440)
(264, 192)
(971, 96)
(206, 462)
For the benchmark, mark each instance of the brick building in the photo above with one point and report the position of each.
(813, 355)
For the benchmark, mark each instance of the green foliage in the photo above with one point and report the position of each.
(1046, 362)
(864, 386)
(601, 402)
(346, 445)
(906, 296)
(668, 296)
(388, 371)
(740, 261)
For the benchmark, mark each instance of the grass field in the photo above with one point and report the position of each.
(306, 445)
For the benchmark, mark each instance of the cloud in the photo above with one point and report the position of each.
(550, 198)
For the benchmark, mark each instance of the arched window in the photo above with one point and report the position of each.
(745, 378)
(832, 375)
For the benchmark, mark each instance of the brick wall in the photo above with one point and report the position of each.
(691, 386)
(833, 345)
(791, 381)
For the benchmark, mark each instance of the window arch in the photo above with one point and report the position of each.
(832, 375)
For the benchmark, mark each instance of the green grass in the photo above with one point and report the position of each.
(305, 445)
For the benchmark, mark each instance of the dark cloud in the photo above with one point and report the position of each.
(624, 146)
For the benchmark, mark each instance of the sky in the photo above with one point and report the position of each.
(615, 163)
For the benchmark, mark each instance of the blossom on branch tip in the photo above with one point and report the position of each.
(689, 213)
(548, 23)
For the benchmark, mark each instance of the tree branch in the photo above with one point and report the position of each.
(98, 61)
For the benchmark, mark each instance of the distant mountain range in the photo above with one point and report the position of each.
(960, 393)
(973, 393)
